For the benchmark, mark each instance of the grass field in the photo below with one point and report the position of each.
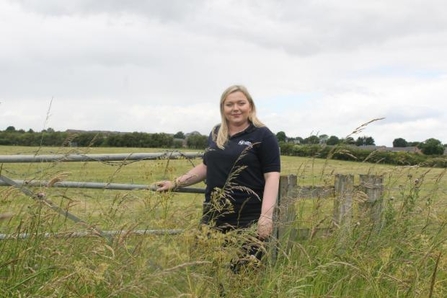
(406, 258)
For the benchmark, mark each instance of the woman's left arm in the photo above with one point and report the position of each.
(265, 223)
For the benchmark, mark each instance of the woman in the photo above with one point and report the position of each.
(241, 167)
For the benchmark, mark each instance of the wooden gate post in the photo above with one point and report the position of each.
(372, 186)
(344, 189)
(285, 212)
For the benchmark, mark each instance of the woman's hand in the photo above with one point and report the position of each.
(265, 222)
(265, 227)
(195, 175)
(164, 185)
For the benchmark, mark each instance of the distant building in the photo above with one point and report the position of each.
(391, 149)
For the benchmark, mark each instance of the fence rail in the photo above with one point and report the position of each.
(89, 234)
(95, 185)
(343, 192)
(97, 157)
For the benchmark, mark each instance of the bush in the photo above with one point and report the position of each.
(353, 153)
(436, 162)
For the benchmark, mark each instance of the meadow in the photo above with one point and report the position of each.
(405, 258)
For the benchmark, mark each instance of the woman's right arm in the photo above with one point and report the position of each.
(195, 175)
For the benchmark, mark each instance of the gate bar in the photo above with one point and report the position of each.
(96, 157)
(97, 185)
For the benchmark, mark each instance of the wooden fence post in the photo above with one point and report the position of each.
(372, 186)
(344, 188)
(285, 212)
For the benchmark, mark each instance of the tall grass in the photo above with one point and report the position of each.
(405, 258)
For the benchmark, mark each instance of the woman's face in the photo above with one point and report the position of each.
(236, 109)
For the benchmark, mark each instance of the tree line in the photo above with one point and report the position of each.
(430, 146)
(429, 153)
(316, 146)
(50, 137)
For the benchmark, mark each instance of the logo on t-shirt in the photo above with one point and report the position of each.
(246, 143)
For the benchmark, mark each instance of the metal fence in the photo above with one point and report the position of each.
(26, 187)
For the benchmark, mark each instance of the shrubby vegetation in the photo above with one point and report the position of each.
(354, 153)
(428, 153)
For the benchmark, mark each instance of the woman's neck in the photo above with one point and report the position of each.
(234, 129)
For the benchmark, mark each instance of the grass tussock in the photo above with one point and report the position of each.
(404, 257)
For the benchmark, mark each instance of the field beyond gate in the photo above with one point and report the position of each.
(402, 258)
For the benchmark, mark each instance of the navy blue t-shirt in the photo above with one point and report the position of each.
(235, 176)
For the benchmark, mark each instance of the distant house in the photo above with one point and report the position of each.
(392, 149)
(180, 141)
(372, 147)
(194, 133)
(405, 149)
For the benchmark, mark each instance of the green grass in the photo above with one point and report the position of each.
(404, 259)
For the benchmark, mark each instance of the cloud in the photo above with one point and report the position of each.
(312, 66)
(174, 10)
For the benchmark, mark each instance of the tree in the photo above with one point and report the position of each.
(49, 130)
(333, 140)
(178, 143)
(370, 141)
(88, 139)
(323, 138)
(197, 141)
(179, 135)
(299, 140)
(312, 140)
(281, 136)
(348, 140)
(364, 141)
(360, 141)
(162, 140)
(10, 128)
(432, 147)
(400, 142)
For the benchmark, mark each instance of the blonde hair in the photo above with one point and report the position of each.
(221, 138)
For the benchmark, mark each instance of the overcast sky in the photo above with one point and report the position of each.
(313, 67)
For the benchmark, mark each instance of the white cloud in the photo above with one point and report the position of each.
(312, 66)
